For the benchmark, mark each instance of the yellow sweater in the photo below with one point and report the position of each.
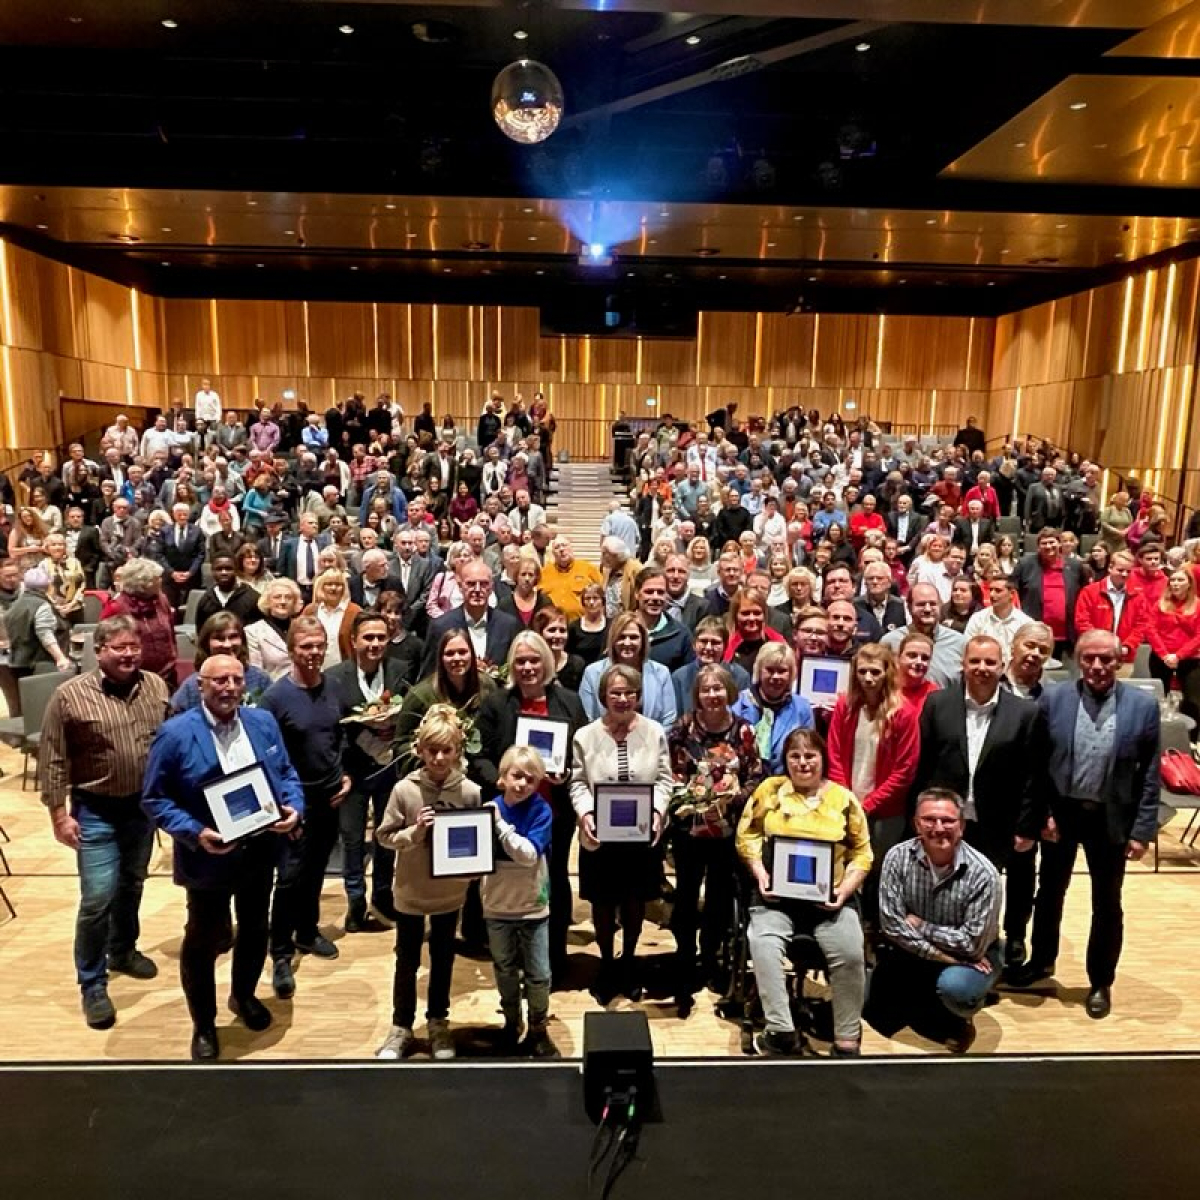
(777, 810)
(563, 587)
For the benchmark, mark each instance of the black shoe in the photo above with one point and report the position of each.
(1028, 974)
(606, 988)
(357, 918)
(98, 1010)
(631, 988)
(255, 1015)
(205, 1047)
(961, 1042)
(283, 982)
(837, 1051)
(776, 1045)
(134, 964)
(385, 906)
(510, 1038)
(319, 947)
(539, 1045)
(684, 1005)
(1015, 953)
(1098, 1003)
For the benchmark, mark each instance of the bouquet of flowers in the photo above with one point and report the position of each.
(376, 712)
(497, 672)
(703, 802)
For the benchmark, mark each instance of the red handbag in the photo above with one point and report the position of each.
(1180, 773)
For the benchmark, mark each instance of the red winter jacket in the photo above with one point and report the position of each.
(1094, 610)
(1173, 631)
(895, 757)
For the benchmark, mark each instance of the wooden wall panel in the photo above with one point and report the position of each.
(189, 340)
(726, 349)
(519, 347)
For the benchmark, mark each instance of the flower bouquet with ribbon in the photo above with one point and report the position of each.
(702, 804)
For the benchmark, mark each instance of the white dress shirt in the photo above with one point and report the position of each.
(979, 721)
(231, 741)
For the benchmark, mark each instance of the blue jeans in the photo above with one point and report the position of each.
(115, 840)
(963, 989)
(521, 947)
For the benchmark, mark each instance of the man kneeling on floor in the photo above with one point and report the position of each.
(939, 908)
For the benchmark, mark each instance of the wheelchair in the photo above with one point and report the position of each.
(812, 1010)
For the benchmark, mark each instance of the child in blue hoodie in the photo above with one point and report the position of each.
(516, 899)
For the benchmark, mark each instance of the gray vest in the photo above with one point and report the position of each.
(25, 651)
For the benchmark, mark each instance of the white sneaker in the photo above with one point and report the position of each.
(395, 1044)
(440, 1041)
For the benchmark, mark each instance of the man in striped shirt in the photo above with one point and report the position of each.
(95, 738)
(939, 908)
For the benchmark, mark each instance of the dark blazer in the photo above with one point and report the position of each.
(498, 730)
(506, 604)
(420, 577)
(356, 762)
(407, 656)
(389, 583)
(186, 556)
(270, 559)
(894, 617)
(962, 531)
(1010, 782)
(286, 565)
(243, 603)
(432, 469)
(501, 629)
(1038, 506)
(716, 601)
(1131, 795)
(183, 758)
(87, 550)
(917, 523)
(1027, 578)
(694, 610)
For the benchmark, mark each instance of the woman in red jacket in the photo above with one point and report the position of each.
(1172, 627)
(873, 738)
(140, 596)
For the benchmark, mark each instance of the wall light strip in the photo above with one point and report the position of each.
(435, 341)
(758, 342)
(10, 398)
(307, 349)
(137, 330)
(966, 366)
(1168, 304)
(216, 337)
(812, 371)
(375, 334)
(1016, 425)
(932, 410)
(1148, 289)
(1181, 424)
(1123, 342)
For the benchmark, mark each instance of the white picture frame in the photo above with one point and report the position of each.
(550, 738)
(242, 803)
(800, 869)
(823, 679)
(624, 813)
(462, 843)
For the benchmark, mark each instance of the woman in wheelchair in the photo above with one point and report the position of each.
(804, 803)
(716, 765)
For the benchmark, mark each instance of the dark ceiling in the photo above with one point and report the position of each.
(898, 155)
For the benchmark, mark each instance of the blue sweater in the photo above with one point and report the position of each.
(310, 721)
(519, 889)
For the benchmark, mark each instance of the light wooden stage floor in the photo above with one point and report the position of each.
(342, 1008)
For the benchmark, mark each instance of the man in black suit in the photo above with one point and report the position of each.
(971, 436)
(1044, 503)
(182, 548)
(990, 747)
(374, 580)
(271, 547)
(227, 594)
(368, 748)
(732, 521)
(1049, 586)
(83, 543)
(491, 631)
(442, 467)
(973, 530)
(298, 555)
(729, 578)
(906, 526)
(879, 609)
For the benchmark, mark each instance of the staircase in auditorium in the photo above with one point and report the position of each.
(585, 490)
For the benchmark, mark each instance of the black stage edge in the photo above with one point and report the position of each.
(1116, 1126)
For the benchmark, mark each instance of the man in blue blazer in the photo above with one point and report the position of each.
(1104, 796)
(189, 751)
(498, 627)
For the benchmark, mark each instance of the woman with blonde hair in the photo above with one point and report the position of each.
(874, 741)
(526, 598)
(25, 542)
(1115, 520)
(279, 603)
(67, 581)
(335, 610)
(702, 571)
(445, 593)
(629, 645)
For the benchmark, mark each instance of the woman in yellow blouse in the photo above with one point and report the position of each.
(805, 804)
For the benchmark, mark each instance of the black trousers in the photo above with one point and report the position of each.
(1020, 873)
(1086, 826)
(297, 904)
(208, 928)
(707, 863)
(410, 934)
(562, 898)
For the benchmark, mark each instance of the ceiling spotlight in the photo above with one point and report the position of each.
(354, 268)
(1060, 225)
(812, 279)
(798, 217)
(347, 29)
(539, 272)
(1020, 145)
(863, 47)
(991, 283)
(477, 245)
(168, 23)
(75, 20)
(706, 252)
(166, 229)
(694, 40)
(445, 270)
(527, 102)
(532, 237)
(164, 263)
(252, 203)
(1079, 106)
(43, 226)
(260, 265)
(771, 245)
(389, 205)
(289, 233)
(722, 276)
(664, 212)
(520, 34)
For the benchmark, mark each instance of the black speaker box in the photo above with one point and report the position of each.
(617, 1055)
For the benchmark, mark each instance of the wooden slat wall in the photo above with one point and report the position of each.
(1110, 372)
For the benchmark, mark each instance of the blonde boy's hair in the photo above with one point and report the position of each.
(439, 726)
(525, 758)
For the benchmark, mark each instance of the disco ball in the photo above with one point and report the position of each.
(527, 101)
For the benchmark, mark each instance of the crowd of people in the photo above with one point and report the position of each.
(382, 607)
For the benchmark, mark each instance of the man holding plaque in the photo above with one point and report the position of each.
(95, 735)
(191, 753)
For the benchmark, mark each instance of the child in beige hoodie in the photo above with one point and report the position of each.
(438, 784)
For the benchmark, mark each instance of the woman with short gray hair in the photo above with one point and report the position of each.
(140, 596)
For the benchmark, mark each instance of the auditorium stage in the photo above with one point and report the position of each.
(1001, 1127)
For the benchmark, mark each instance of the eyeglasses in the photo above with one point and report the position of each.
(935, 822)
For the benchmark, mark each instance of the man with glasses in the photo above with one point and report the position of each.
(490, 630)
(1104, 795)
(939, 909)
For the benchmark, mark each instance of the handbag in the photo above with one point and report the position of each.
(1180, 773)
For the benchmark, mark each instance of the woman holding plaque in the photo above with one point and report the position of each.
(716, 766)
(824, 817)
(617, 878)
(536, 695)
